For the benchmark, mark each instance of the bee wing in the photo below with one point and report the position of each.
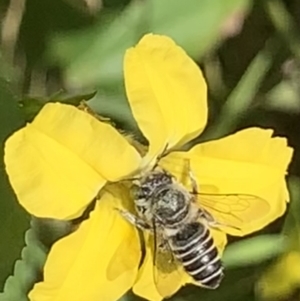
(234, 210)
(167, 271)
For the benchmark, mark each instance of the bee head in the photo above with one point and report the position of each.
(152, 182)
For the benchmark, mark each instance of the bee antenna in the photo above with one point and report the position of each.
(163, 154)
(133, 179)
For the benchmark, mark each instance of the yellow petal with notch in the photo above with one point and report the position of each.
(166, 92)
(59, 162)
(250, 165)
(99, 261)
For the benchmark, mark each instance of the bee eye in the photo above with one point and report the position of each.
(145, 190)
(167, 179)
(141, 192)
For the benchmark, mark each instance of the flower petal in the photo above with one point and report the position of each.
(166, 92)
(153, 284)
(97, 262)
(58, 163)
(249, 162)
(145, 286)
(220, 239)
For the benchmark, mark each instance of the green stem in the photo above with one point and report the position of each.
(241, 98)
(284, 24)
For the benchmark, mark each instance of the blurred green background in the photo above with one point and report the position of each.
(68, 49)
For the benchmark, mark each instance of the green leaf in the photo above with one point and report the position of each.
(112, 103)
(32, 105)
(27, 270)
(253, 250)
(14, 220)
(50, 230)
(130, 296)
(95, 57)
(195, 25)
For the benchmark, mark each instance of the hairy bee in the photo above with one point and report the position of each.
(180, 228)
(165, 206)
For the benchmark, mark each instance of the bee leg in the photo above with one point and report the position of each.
(206, 216)
(163, 245)
(163, 154)
(134, 220)
(192, 179)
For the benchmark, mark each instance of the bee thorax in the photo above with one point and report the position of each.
(171, 204)
(159, 197)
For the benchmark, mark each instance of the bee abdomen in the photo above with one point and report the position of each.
(207, 270)
(194, 247)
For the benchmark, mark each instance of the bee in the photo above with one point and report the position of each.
(182, 239)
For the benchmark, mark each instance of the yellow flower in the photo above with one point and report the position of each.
(60, 162)
(282, 279)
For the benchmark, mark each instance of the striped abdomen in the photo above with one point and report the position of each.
(194, 247)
